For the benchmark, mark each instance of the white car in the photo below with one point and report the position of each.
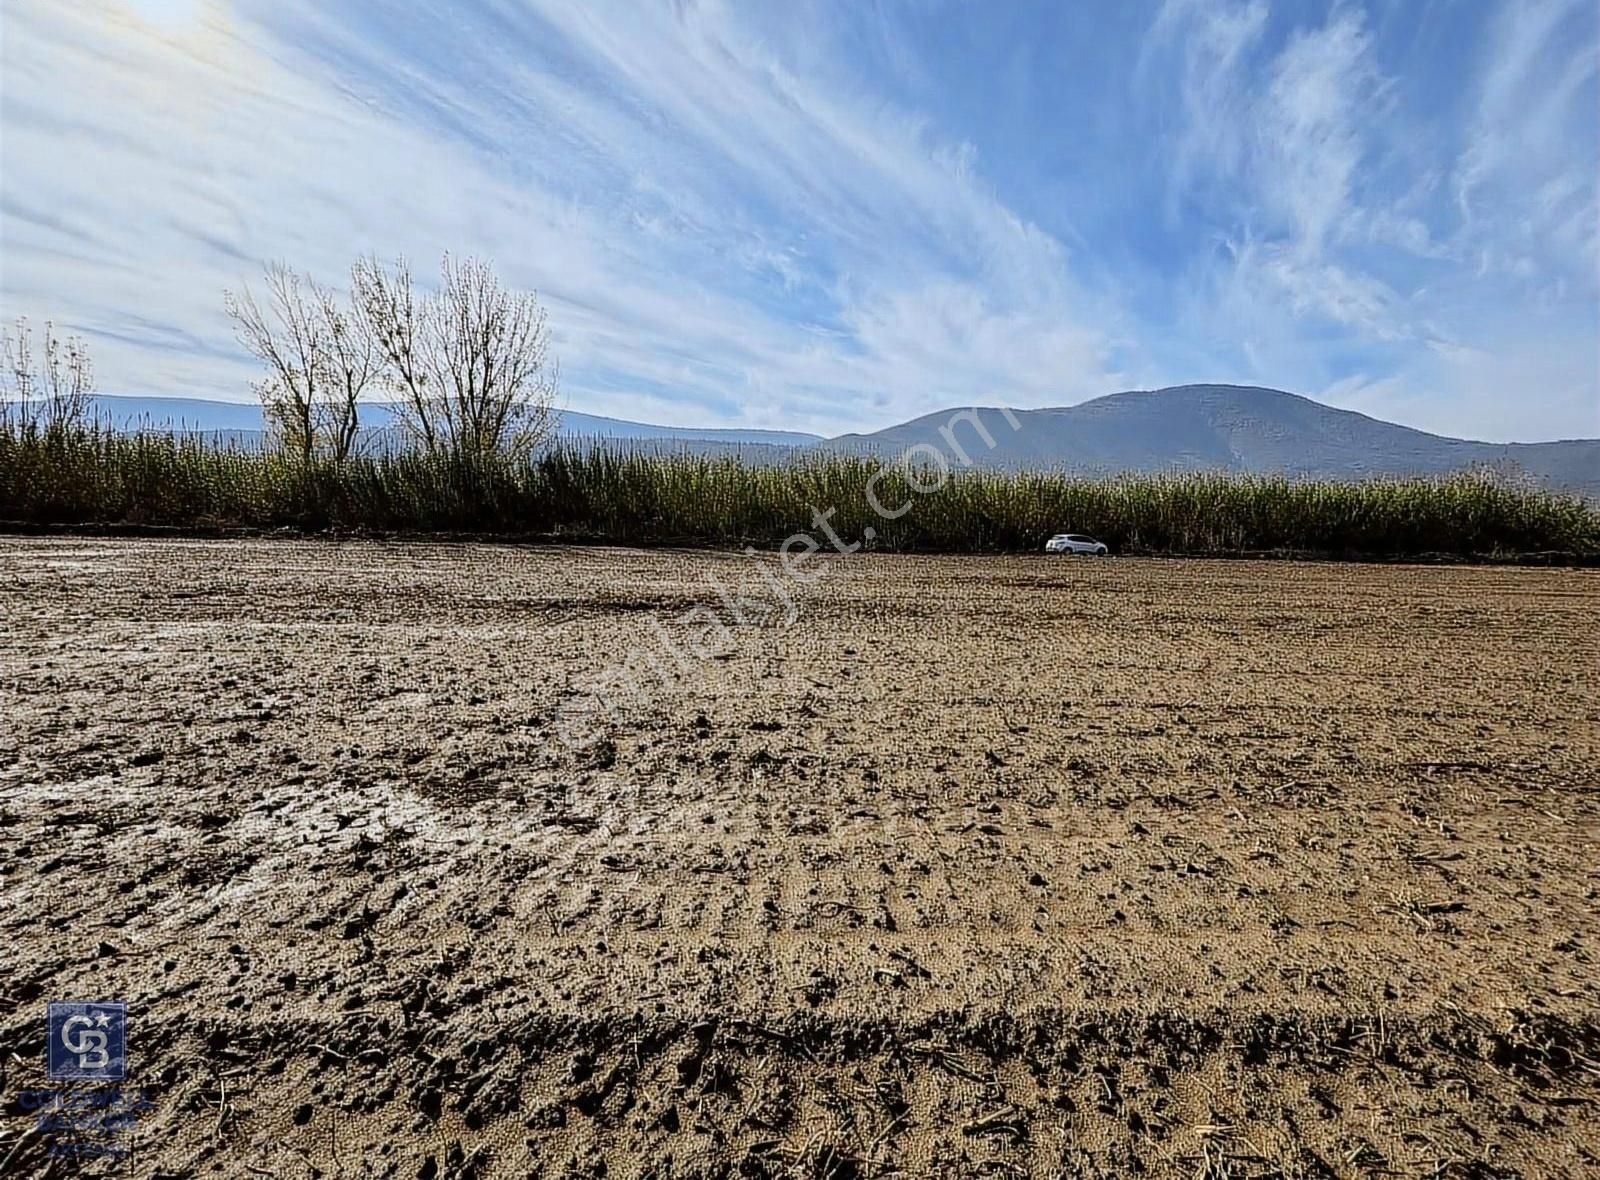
(1075, 543)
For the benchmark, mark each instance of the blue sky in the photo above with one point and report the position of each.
(837, 216)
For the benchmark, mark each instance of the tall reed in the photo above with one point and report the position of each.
(640, 497)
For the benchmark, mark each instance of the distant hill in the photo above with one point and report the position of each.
(1228, 428)
(1183, 428)
(240, 420)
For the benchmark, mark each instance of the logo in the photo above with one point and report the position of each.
(88, 1040)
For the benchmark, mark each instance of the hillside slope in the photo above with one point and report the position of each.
(240, 420)
(1232, 428)
(1185, 427)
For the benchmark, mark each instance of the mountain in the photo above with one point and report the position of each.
(1185, 428)
(1224, 428)
(175, 413)
(239, 420)
(576, 425)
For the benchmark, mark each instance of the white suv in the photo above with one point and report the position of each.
(1075, 543)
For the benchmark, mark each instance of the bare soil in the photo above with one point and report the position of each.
(983, 866)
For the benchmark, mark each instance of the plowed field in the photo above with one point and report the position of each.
(428, 860)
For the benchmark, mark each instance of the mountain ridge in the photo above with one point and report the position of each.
(1237, 428)
(205, 416)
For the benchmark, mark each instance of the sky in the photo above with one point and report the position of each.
(836, 216)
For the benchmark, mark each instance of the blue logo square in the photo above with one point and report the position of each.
(88, 1040)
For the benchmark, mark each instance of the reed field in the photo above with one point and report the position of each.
(96, 476)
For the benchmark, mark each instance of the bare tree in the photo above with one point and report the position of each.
(319, 357)
(19, 375)
(394, 321)
(55, 397)
(352, 361)
(469, 361)
(288, 340)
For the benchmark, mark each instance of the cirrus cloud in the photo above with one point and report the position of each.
(832, 219)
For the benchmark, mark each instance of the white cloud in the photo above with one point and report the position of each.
(199, 149)
(1328, 262)
(1322, 88)
(1214, 44)
(1528, 199)
(732, 227)
(1507, 385)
